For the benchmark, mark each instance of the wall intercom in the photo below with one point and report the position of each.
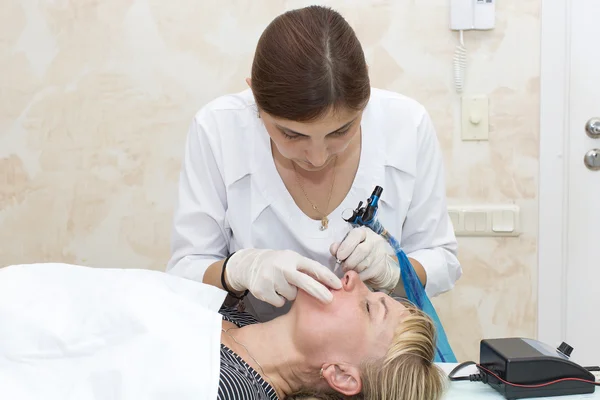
(468, 15)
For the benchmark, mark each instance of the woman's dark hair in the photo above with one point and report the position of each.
(309, 62)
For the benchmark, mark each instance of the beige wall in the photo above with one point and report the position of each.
(96, 98)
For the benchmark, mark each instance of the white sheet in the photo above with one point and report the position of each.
(78, 333)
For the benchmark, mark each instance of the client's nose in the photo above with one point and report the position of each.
(350, 280)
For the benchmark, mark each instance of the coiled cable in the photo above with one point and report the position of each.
(460, 64)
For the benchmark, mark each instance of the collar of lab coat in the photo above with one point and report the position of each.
(385, 144)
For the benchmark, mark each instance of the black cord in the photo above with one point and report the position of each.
(472, 378)
(458, 368)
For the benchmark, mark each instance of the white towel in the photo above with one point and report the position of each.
(77, 333)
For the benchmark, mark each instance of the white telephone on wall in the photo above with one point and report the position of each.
(468, 15)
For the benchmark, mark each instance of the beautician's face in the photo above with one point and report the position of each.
(313, 145)
(358, 324)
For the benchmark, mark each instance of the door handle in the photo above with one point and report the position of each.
(592, 160)
(592, 128)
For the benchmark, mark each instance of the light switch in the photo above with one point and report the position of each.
(503, 221)
(470, 222)
(485, 220)
(480, 221)
(475, 118)
(475, 221)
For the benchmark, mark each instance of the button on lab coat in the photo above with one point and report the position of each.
(231, 196)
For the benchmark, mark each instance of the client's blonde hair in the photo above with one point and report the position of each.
(406, 372)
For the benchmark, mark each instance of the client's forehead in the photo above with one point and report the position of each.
(386, 330)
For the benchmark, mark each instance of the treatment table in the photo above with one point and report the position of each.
(465, 390)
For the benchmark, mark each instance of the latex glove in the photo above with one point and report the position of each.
(370, 255)
(275, 275)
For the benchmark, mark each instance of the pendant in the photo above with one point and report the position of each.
(324, 223)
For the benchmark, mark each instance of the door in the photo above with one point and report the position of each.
(582, 318)
(569, 189)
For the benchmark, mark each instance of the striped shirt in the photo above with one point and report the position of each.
(238, 380)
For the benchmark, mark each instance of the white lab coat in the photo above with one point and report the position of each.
(69, 332)
(232, 197)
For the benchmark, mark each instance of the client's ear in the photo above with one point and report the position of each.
(344, 378)
(249, 82)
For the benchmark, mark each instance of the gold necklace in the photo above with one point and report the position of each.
(248, 351)
(324, 219)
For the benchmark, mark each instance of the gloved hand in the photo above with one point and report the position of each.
(370, 256)
(272, 275)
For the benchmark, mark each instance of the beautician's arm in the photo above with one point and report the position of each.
(199, 237)
(428, 236)
(420, 271)
(212, 276)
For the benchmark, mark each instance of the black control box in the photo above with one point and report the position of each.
(527, 362)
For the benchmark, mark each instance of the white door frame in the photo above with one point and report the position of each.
(554, 171)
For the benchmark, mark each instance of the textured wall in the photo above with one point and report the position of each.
(96, 97)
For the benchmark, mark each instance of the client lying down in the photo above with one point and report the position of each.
(69, 332)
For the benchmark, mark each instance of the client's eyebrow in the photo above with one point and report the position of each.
(382, 300)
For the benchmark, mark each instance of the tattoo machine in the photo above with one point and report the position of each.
(415, 292)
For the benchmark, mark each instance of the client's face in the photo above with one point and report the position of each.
(358, 324)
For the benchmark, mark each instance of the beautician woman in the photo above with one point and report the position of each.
(268, 172)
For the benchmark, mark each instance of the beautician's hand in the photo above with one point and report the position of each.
(370, 256)
(272, 275)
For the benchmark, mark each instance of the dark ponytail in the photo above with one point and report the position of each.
(309, 62)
